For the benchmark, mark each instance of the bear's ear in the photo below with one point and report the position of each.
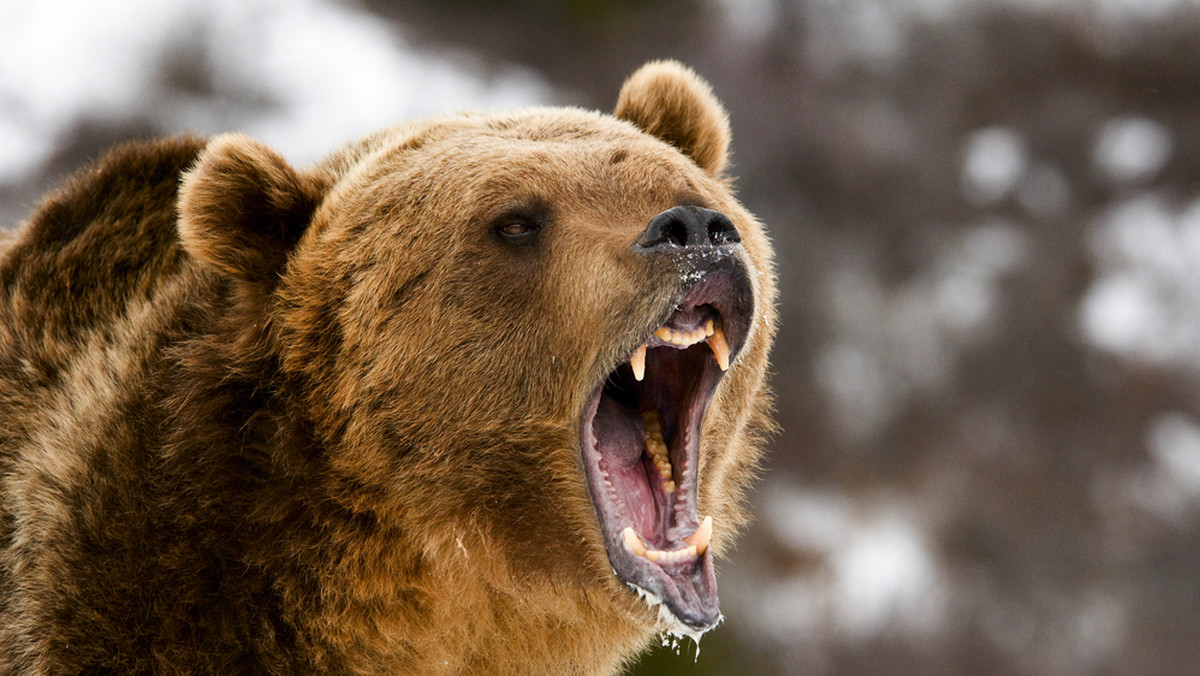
(668, 100)
(242, 208)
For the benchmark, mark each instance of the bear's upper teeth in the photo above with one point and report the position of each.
(709, 332)
(684, 338)
(720, 348)
(638, 362)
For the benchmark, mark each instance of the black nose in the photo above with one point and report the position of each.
(688, 227)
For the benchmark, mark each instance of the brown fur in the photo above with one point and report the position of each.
(325, 420)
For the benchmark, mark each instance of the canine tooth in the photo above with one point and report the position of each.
(633, 542)
(700, 538)
(719, 347)
(692, 552)
(638, 362)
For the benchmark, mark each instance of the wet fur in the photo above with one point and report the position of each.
(256, 419)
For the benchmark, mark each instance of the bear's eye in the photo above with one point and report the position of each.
(516, 229)
(518, 222)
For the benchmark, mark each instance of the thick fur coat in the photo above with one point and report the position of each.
(259, 419)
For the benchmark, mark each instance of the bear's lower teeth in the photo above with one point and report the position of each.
(695, 545)
(701, 537)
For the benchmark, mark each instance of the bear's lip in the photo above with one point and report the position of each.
(653, 534)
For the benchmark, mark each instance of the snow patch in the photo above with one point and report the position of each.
(1142, 303)
(876, 574)
(1174, 442)
(1166, 487)
(304, 76)
(1132, 148)
(891, 344)
(994, 160)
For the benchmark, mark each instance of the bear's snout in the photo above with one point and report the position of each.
(687, 227)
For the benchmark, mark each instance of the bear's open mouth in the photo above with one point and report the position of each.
(641, 441)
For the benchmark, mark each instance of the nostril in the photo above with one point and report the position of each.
(721, 230)
(676, 232)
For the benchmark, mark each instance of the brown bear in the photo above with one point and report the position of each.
(463, 397)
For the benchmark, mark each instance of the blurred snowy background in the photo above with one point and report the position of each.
(988, 223)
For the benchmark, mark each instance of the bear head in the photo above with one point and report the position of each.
(535, 343)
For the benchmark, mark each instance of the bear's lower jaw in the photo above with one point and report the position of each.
(640, 444)
(645, 497)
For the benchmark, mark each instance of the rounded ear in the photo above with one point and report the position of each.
(242, 208)
(668, 100)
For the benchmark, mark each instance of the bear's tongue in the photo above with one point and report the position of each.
(641, 443)
(626, 448)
